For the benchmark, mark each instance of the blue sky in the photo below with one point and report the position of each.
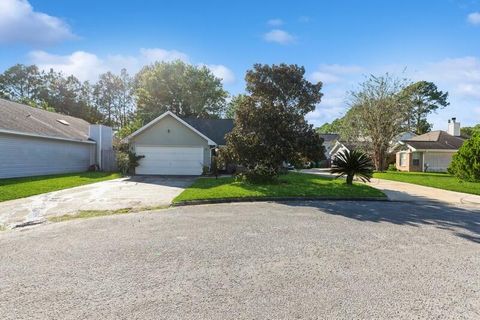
(338, 42)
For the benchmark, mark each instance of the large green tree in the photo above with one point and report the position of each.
(113, 97)
(70, 96)
(270, 126)
(283, 85)
(184, 89)
(466, 162)
(233, 105)
(469, 131)
(22, 84)
(334, 127)
(423, 98)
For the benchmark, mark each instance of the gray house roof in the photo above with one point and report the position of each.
(20, 118)
(435, 140)
(328, 137)
(215, 129)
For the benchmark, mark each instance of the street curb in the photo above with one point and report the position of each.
(274, 199)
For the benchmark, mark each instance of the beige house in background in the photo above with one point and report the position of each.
(432, 151)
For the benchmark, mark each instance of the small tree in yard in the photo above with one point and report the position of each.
(377, 115)
(270, 126)
(466, 162)
(352, 163)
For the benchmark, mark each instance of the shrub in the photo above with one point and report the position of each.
(466, 162)
(352, 163)
(259, 174)
(127, 161)
(392, 167)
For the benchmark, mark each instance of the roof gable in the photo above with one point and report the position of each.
(435, 140)
(216, 129)
(23, 119)
(169, 113)
(328, 137)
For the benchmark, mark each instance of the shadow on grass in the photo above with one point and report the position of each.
(81, 175)
(464, 222)
(291, 185)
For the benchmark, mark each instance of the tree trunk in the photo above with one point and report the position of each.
(350, 179)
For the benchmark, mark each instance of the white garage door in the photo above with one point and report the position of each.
(170, 160)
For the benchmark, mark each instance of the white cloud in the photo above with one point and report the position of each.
(325, 77)
(334, 73)
(222, 72)
(279, 36)
(474, 18)
(156, 54)
(88, 66)
(19, 23)
(304, 19)
(83, 65)
(275, 22)
(460, 75)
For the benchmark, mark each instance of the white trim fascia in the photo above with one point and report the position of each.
(437, 150)
(336, 148)
(430, 150)
(163, 115)
(43, 137)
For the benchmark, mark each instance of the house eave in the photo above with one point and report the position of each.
(25, 134)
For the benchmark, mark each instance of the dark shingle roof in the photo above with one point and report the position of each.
(215, 129)
(28, 120)
(438, 140)
(329, 136)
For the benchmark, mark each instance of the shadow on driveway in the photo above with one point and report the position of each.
(167, 181)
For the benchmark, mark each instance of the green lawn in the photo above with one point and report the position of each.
(23, 187)
(290, 185)
(436, 180)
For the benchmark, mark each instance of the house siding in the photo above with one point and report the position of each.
(434, 161)
(22, 156)
(438, 161)
(408, 164)
(169, 132)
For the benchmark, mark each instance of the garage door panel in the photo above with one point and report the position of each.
(170, 160)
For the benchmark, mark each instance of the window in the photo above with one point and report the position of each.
(403, 159)
(416, 159)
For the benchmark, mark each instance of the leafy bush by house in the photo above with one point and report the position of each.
(466, 162)
(127, 161)
(259, 174)
(353, 163)
(392, 167)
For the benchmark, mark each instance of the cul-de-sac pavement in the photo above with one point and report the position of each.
(309, 260)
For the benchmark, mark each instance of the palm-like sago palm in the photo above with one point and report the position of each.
(352, 163)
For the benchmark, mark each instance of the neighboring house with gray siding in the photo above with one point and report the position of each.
(175, 146)
(38, 142)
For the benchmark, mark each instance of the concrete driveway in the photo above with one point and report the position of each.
(298, 260)
(401, 191)
(133, 192)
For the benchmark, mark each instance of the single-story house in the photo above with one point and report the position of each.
(432, 151)
(178, 146)
(38, 142)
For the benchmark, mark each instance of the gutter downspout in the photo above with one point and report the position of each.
(100, 148)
